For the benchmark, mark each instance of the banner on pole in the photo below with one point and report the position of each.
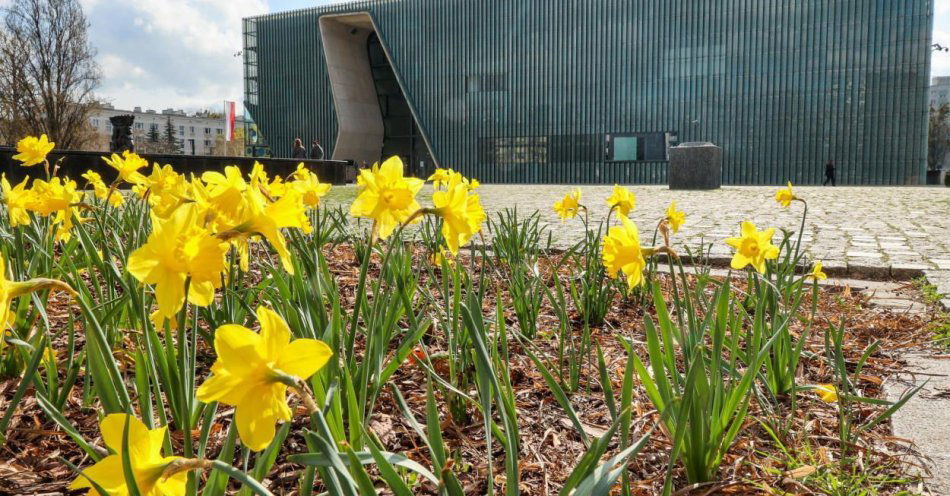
(229, 111)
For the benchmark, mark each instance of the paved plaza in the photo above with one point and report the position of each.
(856, 231)
(859, 232)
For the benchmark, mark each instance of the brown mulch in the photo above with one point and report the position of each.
(30, 460)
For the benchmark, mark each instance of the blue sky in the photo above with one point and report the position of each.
(181, 53)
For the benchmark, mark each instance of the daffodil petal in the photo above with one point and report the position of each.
(107, 472)
(255, 429)
(275, 334)
(237, 344)
(304, 357)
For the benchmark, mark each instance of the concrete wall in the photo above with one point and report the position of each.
(360, 123)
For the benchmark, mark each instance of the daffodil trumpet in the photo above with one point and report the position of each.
(374, 233)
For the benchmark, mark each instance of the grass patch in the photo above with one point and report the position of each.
(940, 324)
(810, 467)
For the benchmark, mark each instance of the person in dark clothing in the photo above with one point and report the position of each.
(299, 150)
(316, 151)
(829, 173)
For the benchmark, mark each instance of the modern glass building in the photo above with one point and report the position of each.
(595, 91)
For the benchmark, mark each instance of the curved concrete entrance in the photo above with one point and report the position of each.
(367, 127)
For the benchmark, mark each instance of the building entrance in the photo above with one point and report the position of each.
(401, 134)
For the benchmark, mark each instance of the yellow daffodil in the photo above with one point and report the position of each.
(622, 252)
(440, 256)
(386, 196)
(309, 186)
(128, 165)
(225, 192)
(58, 197)
(52, 196)
(12, 289)
(32, 150)
(252, 372)
(179, 248)
(258, 176)
(441, 177)
(101, 190)
(816, 272)
(145, 456)
(265, 218)
(17, 199)
(785, 195)
(567, 207)
(622, 199)
(165, 190)
(163, 180)
(753, 247)
(674, 217)
(276, 188)
(827, 392)
(473, 184)
(462, 214)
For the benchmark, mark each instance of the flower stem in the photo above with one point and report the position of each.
(305, 397)
(180, 465)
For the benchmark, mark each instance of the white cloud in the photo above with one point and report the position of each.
(170, 53)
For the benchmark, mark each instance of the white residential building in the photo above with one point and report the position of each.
(939, 92)
(201, 133)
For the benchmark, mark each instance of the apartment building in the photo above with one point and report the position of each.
(200, 133)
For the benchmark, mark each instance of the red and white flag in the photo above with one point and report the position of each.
(229, 110)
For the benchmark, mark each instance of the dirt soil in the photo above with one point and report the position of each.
(31, 460)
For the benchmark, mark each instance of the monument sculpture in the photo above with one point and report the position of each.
(122, 139)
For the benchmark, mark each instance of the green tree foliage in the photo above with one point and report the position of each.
(170, 142)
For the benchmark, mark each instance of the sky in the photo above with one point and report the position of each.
(181, 54)
(940, 61)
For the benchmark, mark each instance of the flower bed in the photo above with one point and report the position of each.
(226, 332)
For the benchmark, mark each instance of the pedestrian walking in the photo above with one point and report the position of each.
(316, 151)
(829, 173)
(299, 150)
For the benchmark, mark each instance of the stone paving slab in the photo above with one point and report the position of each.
(860, 232)
(924, 418)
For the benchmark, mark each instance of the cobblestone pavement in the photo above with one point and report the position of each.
(873, 232)
(860, 232)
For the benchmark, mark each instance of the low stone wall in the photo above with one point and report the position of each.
(75, 163)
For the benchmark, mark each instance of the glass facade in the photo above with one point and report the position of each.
(580, 91)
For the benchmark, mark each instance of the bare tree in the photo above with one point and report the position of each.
(47, 72)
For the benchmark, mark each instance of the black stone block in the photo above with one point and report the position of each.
(695, 166)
